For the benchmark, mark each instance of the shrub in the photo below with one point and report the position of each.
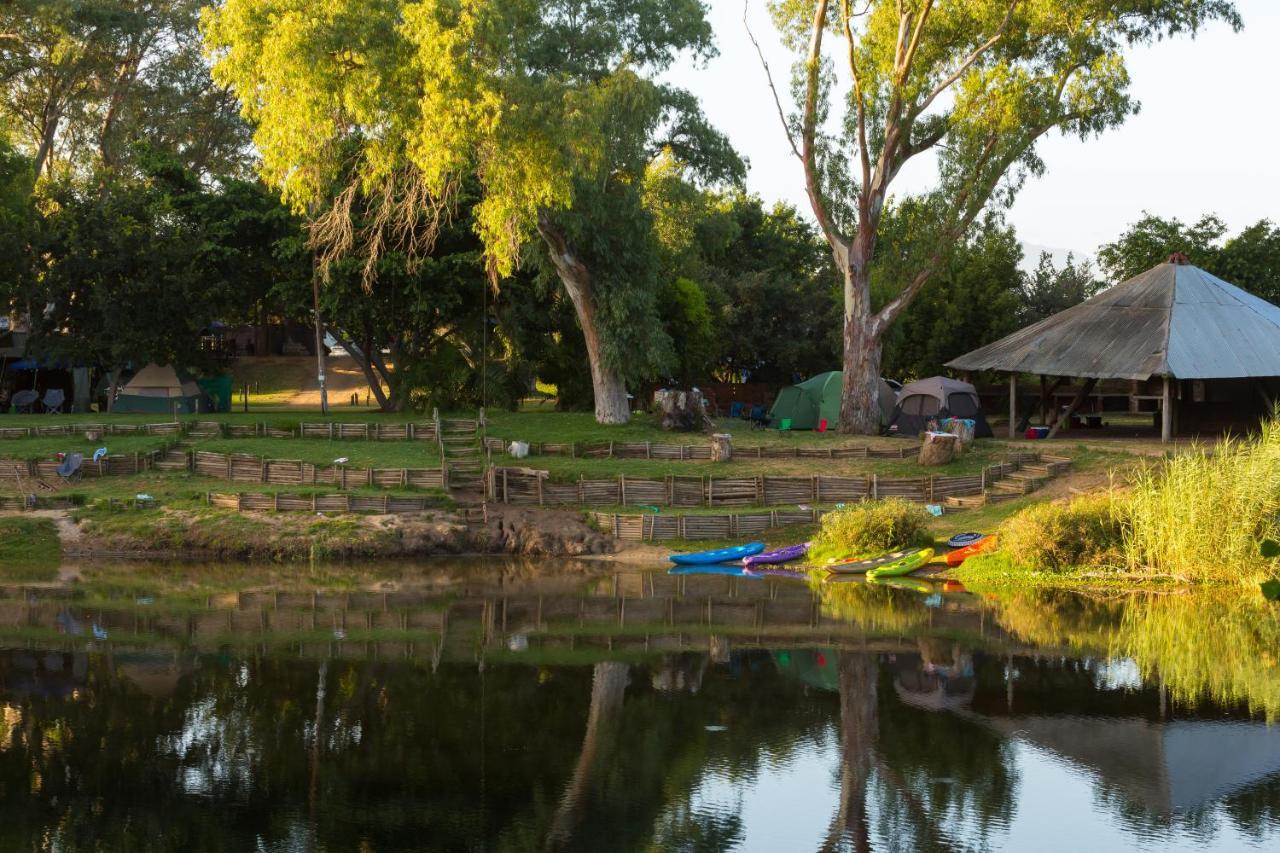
(870, 528)
(1055, 537)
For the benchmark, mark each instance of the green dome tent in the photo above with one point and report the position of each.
(818, 399)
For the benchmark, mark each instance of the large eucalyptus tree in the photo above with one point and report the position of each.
(974, 84)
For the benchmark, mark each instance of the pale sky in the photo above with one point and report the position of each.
(1205, 140)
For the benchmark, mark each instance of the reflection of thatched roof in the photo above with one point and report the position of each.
(1163, 767)
(155, 676)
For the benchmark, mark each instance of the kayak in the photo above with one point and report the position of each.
(983, 545)
(758, 572)
(903, 565)
(855, 567)
(716, 569)
(781, 555)
(722, 555)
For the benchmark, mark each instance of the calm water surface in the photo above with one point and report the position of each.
(486, 706)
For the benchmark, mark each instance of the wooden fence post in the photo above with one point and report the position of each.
(875, 488)
(622, 488)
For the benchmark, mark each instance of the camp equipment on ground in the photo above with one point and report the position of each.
(853, 567)
(24, 402)
(962, 539)
(904, 565)
(53, 400)
(935, 398)
(780, 555)
(69, 469)
(721, 555)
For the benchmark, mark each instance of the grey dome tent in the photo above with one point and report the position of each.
(934, 398)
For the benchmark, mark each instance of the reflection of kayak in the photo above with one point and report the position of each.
(723, 555)
(855, 567)
(903, 565)
(959, 555)
(733, 571)
(762, 572)
(912, 584)
(781, 555)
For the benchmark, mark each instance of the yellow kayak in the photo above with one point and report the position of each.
(904, 565)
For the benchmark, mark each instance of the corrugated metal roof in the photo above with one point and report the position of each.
(1174, 319)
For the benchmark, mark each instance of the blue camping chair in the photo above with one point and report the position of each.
(24, 402)
(53, 400)
(69, 470)
(735, 410)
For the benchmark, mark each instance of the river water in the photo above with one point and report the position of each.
(511, 706)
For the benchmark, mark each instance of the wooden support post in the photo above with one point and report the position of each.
(1166, 412)
(1013, 405)
(1085, 390)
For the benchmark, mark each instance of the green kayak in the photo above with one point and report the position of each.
(904, 566)
(857, 567)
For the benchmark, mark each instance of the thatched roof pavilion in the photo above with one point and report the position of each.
(1174, 323)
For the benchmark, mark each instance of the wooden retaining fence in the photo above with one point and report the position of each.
(343, 503)
(417, 431)
(700, 452)
(237, 468)
(529, 486)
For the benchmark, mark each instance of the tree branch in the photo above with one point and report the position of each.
(967, 62)
(777, 101)
(860, 105)
(813, 65)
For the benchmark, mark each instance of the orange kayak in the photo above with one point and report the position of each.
(959, 555)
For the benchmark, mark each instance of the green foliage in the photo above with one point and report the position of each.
(83, 80)
(134, 270)
(16, 219)
(973, 300)
(1048, 290)
(869, 529)
(1200, 513)
(689, 322)
(1085, 532)
(1250, 259)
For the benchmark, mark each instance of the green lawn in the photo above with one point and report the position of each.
(29, 548)
(317, 451)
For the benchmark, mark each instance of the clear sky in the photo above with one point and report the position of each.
(1207, 139)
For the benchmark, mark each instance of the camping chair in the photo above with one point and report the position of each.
(24, 402)
(735, 410)
(53, 400)
(759, 417)
(69, 470)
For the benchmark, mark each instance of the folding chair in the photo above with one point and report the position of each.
(53, 400)
(24, 402)
(69, 470)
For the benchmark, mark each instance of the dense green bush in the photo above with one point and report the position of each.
(870, 528)
(1058, 536)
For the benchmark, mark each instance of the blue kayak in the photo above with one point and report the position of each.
(723, 555)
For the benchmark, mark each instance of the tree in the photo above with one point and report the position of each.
(976, 84)
(1048, 289)
(973, 301)
(15, 221)
(1251, 259)
(81, 80)
(552, 106)
(1151, 240)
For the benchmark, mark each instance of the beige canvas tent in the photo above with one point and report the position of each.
(158, 389)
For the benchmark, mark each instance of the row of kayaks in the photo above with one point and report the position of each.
(753, 557)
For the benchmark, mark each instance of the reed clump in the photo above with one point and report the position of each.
(1202, 513)
(871, 528)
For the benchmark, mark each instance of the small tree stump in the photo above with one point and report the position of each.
(938, 448)
(963, 431)
(682, 411)
(721, 447)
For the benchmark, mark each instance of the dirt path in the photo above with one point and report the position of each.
(342, 379)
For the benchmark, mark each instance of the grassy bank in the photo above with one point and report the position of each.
(29, 548)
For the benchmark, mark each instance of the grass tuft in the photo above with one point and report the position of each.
(871, 528)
